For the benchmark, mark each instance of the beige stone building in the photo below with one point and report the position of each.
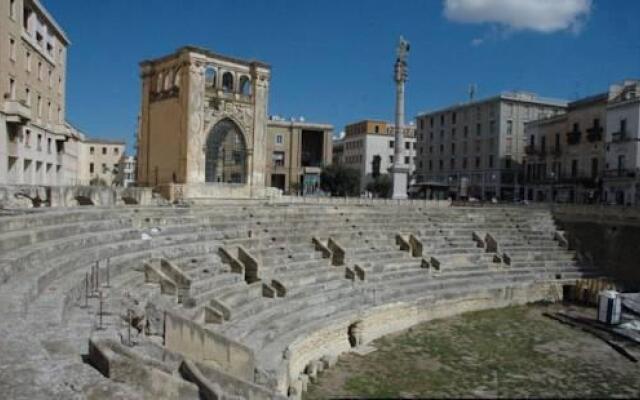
(37, 146)
(476, 148)
(100, 161)
(565, 154)
(298, 152)
(203, 126)
(369, 140)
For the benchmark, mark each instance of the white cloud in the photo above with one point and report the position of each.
(538, 15)
(477, 41)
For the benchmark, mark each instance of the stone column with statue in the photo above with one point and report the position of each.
(400, 170)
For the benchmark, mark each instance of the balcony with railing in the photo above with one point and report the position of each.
(620, 136)
(594, 134)
(562, 179)
(620, 173)
(574, 136)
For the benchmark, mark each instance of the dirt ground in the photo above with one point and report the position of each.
(513, 352)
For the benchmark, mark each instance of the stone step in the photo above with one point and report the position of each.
(255, 323)
(203, 290)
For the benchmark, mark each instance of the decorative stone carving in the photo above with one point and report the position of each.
(185, 125)
(242, 114)
(196, 122)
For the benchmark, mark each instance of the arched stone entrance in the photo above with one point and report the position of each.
(226, 154)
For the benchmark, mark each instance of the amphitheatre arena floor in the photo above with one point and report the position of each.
(506, 353)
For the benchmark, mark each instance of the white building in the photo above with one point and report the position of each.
(621, 182)
(365, 141)
(99, 161)
(37, 146)
(126, 172)
(476, 148)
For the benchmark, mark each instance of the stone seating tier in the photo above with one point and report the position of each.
(47, 256)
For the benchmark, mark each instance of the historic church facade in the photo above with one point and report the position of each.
(203, 125)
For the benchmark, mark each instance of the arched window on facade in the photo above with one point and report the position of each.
(226, 154)
(176, 78)
(159, 82)
(227, 82)
(210, 77)
(245, 86)
(168, 81)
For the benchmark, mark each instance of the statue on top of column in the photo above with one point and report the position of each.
(401, 62)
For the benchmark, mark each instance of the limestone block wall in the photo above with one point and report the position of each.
(606, 237)
(153, 378)
(214, 381)
(382, 320)
(202, 345)
(17, 197)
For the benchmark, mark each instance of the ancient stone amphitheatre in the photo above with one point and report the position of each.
(248, 299)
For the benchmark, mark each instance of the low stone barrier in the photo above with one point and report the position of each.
(231, 259)
(321, 247)
(375, 322)
(34, 196)
(404, 244)
(199, 344)
(251, 265)
(215, 384)
(416, 246)
(124, 365)
(338, 253)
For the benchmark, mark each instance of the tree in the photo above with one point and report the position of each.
(340, 180)
(380, 186)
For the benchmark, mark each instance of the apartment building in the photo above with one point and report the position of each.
(298, 151)
(368, 145)
(100, 162)
(591, 154)
(621, 177)
(476, 148)
(37, 146)
(566, 153)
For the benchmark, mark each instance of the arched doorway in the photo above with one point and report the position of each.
(226, 151)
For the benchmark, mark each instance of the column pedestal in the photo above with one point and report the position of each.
(400, 179)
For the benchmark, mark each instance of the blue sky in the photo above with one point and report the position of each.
(332, 60)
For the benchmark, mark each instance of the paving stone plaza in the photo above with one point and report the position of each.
(248, 300)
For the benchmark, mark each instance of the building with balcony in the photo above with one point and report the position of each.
(564, 154)
(37, 145)
(476, 148)
(99, 162)
(298, 151)
(621, 181)
(368, 146)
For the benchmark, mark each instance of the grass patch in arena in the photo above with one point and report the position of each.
(510, 352)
